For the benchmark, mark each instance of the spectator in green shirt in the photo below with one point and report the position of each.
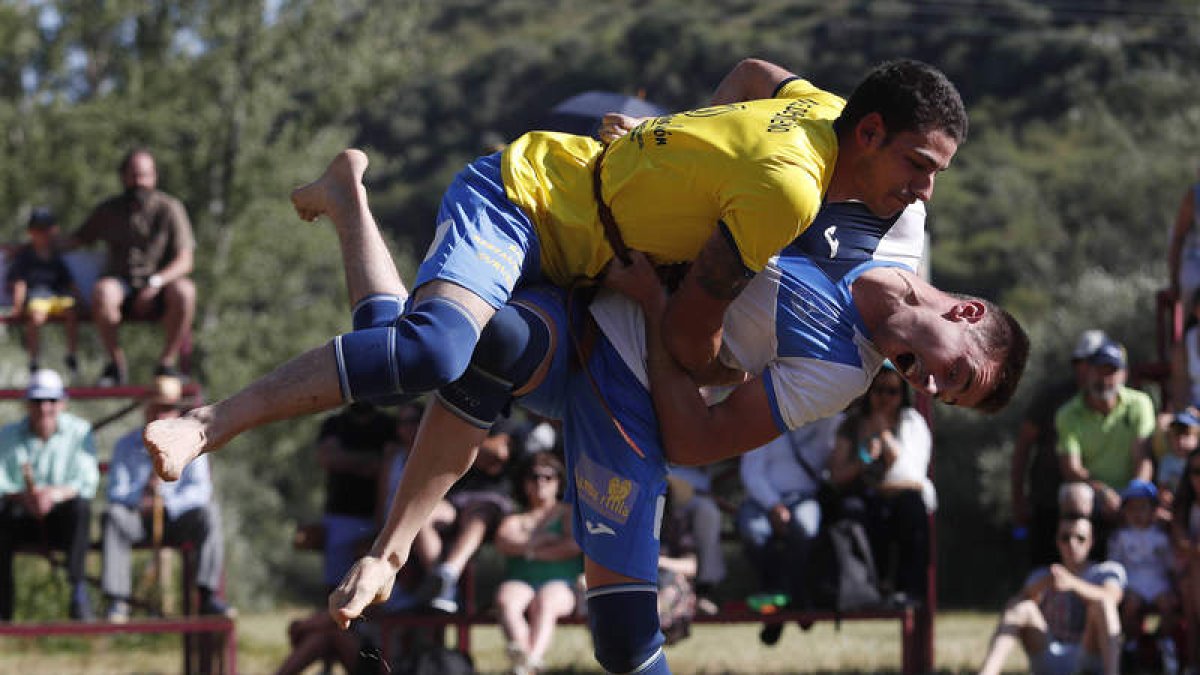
(48, 477)
(1104, 432)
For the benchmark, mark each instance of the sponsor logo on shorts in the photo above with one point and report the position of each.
(605, 492)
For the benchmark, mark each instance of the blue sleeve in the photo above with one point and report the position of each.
(122, 488)
(193, 490)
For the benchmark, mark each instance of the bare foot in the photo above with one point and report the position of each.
(173, 444)
(337, 188)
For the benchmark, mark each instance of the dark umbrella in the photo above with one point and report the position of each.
(581, 114)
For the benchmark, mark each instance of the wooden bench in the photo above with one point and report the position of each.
(915, 624)
(209, 642)
(222, 655)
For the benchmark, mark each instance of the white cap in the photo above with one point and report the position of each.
(45, 384)
(1087, 344)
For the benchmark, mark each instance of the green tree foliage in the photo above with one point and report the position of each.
(1085, 130)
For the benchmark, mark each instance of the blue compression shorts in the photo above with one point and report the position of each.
(483, 242)
(617, 488)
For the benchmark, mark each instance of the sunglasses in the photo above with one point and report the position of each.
(889, 391)
(39, 401)
(1068, 538)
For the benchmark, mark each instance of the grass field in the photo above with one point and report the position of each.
(859, 647)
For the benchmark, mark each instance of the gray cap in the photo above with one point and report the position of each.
(1087, 344)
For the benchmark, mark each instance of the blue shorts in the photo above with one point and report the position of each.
(483, 242)
(617, 486)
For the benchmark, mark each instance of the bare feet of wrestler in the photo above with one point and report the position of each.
(174, 443)
(340, 187)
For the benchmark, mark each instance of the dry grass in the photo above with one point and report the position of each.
(859, 647)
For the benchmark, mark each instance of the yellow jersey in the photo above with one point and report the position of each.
(760, 167)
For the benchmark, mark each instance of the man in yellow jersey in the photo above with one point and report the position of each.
(724, 187)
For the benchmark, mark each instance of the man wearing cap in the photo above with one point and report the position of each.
(1035, 458)
(188, 513)
(1104, 433)
(42, 287)
(150, 255)
(48, 477)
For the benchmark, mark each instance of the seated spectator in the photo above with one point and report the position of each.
(781, 517)
(542, 563)
(350, 448)
(702, 519)
(42, 288)
(316, 637)
(1185, 359)
(150, 256)
(1185, 535)
(1183, 436)
(1144, 550)
(882, 455)
(1034, 476)
(1104, 435)
(48, 478)
(1066, 616)
(467, 518)
(187, 513)
(678, 564)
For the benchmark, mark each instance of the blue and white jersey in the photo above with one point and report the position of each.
(795, 325)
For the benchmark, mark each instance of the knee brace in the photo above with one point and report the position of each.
(625, 632)
(511, 347)
(376, 311)
(421, 351)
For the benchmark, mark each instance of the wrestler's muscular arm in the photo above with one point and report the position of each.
(750, 79)
(693, 433)
(693, 316)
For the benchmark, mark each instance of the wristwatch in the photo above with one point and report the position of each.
(155, 281)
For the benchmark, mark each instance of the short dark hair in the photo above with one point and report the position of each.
(530, 464)
(128, 157)
(910, 96)
(1002, 336)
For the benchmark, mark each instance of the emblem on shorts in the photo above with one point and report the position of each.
(605, 492)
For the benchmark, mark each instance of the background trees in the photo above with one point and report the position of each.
(1085, 131)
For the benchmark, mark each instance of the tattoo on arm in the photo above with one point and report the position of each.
(719, 269)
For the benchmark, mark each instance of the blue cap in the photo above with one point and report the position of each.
(1186, 418)
(1110, 353)
(41, 217)
(1139, 488)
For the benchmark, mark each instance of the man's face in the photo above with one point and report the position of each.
(140, 172)
(1103, 381)
(1074, 540)
(43, 415)
(943, 358)
(898, 169)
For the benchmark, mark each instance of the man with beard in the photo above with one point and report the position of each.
(1104, 434)
(150, 248)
